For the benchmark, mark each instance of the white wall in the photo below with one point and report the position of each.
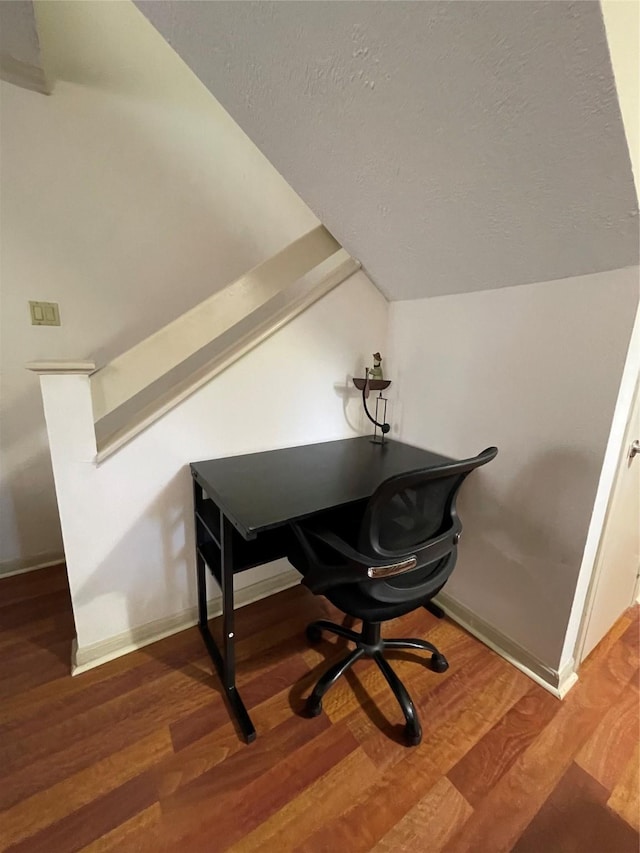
(534, 370)
(622, 25)
(128, 522)
(127, 196)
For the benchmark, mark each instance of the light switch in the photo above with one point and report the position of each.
(44, 313)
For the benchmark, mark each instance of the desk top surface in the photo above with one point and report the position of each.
(259, 491)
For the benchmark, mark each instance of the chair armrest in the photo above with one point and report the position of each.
(357, 567)
(337, 544)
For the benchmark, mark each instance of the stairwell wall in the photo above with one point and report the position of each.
(127, 196)
(128, 523)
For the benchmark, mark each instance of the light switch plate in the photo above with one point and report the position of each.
(44, 313)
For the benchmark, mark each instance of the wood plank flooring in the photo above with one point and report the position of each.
(140, 753)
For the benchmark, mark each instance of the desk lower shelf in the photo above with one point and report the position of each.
(269, 546)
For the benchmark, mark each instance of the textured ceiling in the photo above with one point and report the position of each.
(450, 146)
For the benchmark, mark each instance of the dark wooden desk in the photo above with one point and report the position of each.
(244, 504)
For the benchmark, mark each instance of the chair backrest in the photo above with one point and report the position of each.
(414, 515)
(411, 513)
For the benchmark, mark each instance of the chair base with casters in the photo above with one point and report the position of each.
(381, 561)
(369, 643)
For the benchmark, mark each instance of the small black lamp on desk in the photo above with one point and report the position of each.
(374, 381)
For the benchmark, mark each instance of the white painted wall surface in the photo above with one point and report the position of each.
(128, 196)
(128, 524)
(534, 370)
(622, 25)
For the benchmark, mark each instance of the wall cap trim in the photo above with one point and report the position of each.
(131, 372)
(345, 267)
(61, 367)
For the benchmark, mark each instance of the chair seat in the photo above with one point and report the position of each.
(352, 601)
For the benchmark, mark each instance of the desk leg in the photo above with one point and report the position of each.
(228, 616)
(229, 638)
(225, 663)
(201, 569)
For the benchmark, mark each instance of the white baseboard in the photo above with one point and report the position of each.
(87, 657)
(20, 566)
(557, 682)
(567, 677)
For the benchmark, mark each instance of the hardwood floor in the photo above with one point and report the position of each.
(140, 754)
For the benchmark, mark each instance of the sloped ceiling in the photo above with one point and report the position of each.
(20, 60)
(450, 146)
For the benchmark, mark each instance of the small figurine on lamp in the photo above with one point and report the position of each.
(375, 381)
(376, 371)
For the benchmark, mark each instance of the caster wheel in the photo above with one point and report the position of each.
(314, 634)
(313, 707)
(439, 663)
(412, 735)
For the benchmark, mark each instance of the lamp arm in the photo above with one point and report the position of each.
(384, 428)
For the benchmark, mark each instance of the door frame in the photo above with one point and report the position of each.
(599, 568)
(583, 597)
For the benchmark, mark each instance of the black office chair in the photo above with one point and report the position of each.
(382, 560)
